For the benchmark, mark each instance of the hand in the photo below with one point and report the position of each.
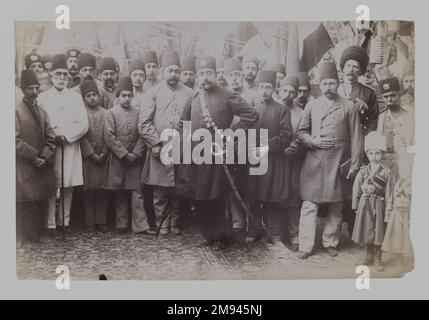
(102, 156)
(156, 150)
(95, 158)
(131, 157)
(351, 174)
(322, 143)
(39, 162)
(59, 140)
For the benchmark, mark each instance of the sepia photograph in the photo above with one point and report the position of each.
(222, 150)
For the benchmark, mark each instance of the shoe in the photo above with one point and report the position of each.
(333, 252)
(294, 247)
(90, 228)
(206, 243)
(175, 231)
(249, 239)
(164, 232)
(303, 255)
(51, 232)
(122, 230)
(65, 229)
(148, 232)
(275, 240)
(102, 228)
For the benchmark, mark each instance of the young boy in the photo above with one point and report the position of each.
(124, 163)
(372, 200)
(272, 188)
(94, 155)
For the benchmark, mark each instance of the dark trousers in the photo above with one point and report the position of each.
(164, 199)
(275, 217)
(148, 205)
(95, 202)
(29, 215)
(211, 216)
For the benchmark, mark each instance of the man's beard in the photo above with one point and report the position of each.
(222, 82)
(351, 77)
(287, 101)
(109, 83)
(236, 86)
(172, 82)
(31, 98)
(151, 76)
(207, 85)
(73, 72)
(302, 99)
(189, 83)
(330, 95)
(250, 78)
(137, 84)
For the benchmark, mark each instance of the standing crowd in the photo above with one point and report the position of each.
(340, 155)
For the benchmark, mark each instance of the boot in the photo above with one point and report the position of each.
(378, 261)
(369, 255)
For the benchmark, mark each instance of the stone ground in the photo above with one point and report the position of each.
(139, 257)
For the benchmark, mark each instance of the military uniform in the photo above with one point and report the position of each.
(223, 105)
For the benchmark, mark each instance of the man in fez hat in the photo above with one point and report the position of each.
(330, 131)
(217, 112)
(35, 153)
(395, 123)
(67, 114)
(161, 109)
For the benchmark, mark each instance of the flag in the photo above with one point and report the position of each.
(314, 47)
(237, 38)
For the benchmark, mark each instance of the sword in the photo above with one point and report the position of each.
(224, 165)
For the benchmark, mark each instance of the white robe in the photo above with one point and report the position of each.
(67, 114)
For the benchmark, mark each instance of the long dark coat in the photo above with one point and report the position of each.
(93, 142)
(321, 178)
(33, 137)
(121, 137)
(208, 181)
(274, 185)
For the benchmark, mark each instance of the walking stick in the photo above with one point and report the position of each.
(62, 188)
(158, 230)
